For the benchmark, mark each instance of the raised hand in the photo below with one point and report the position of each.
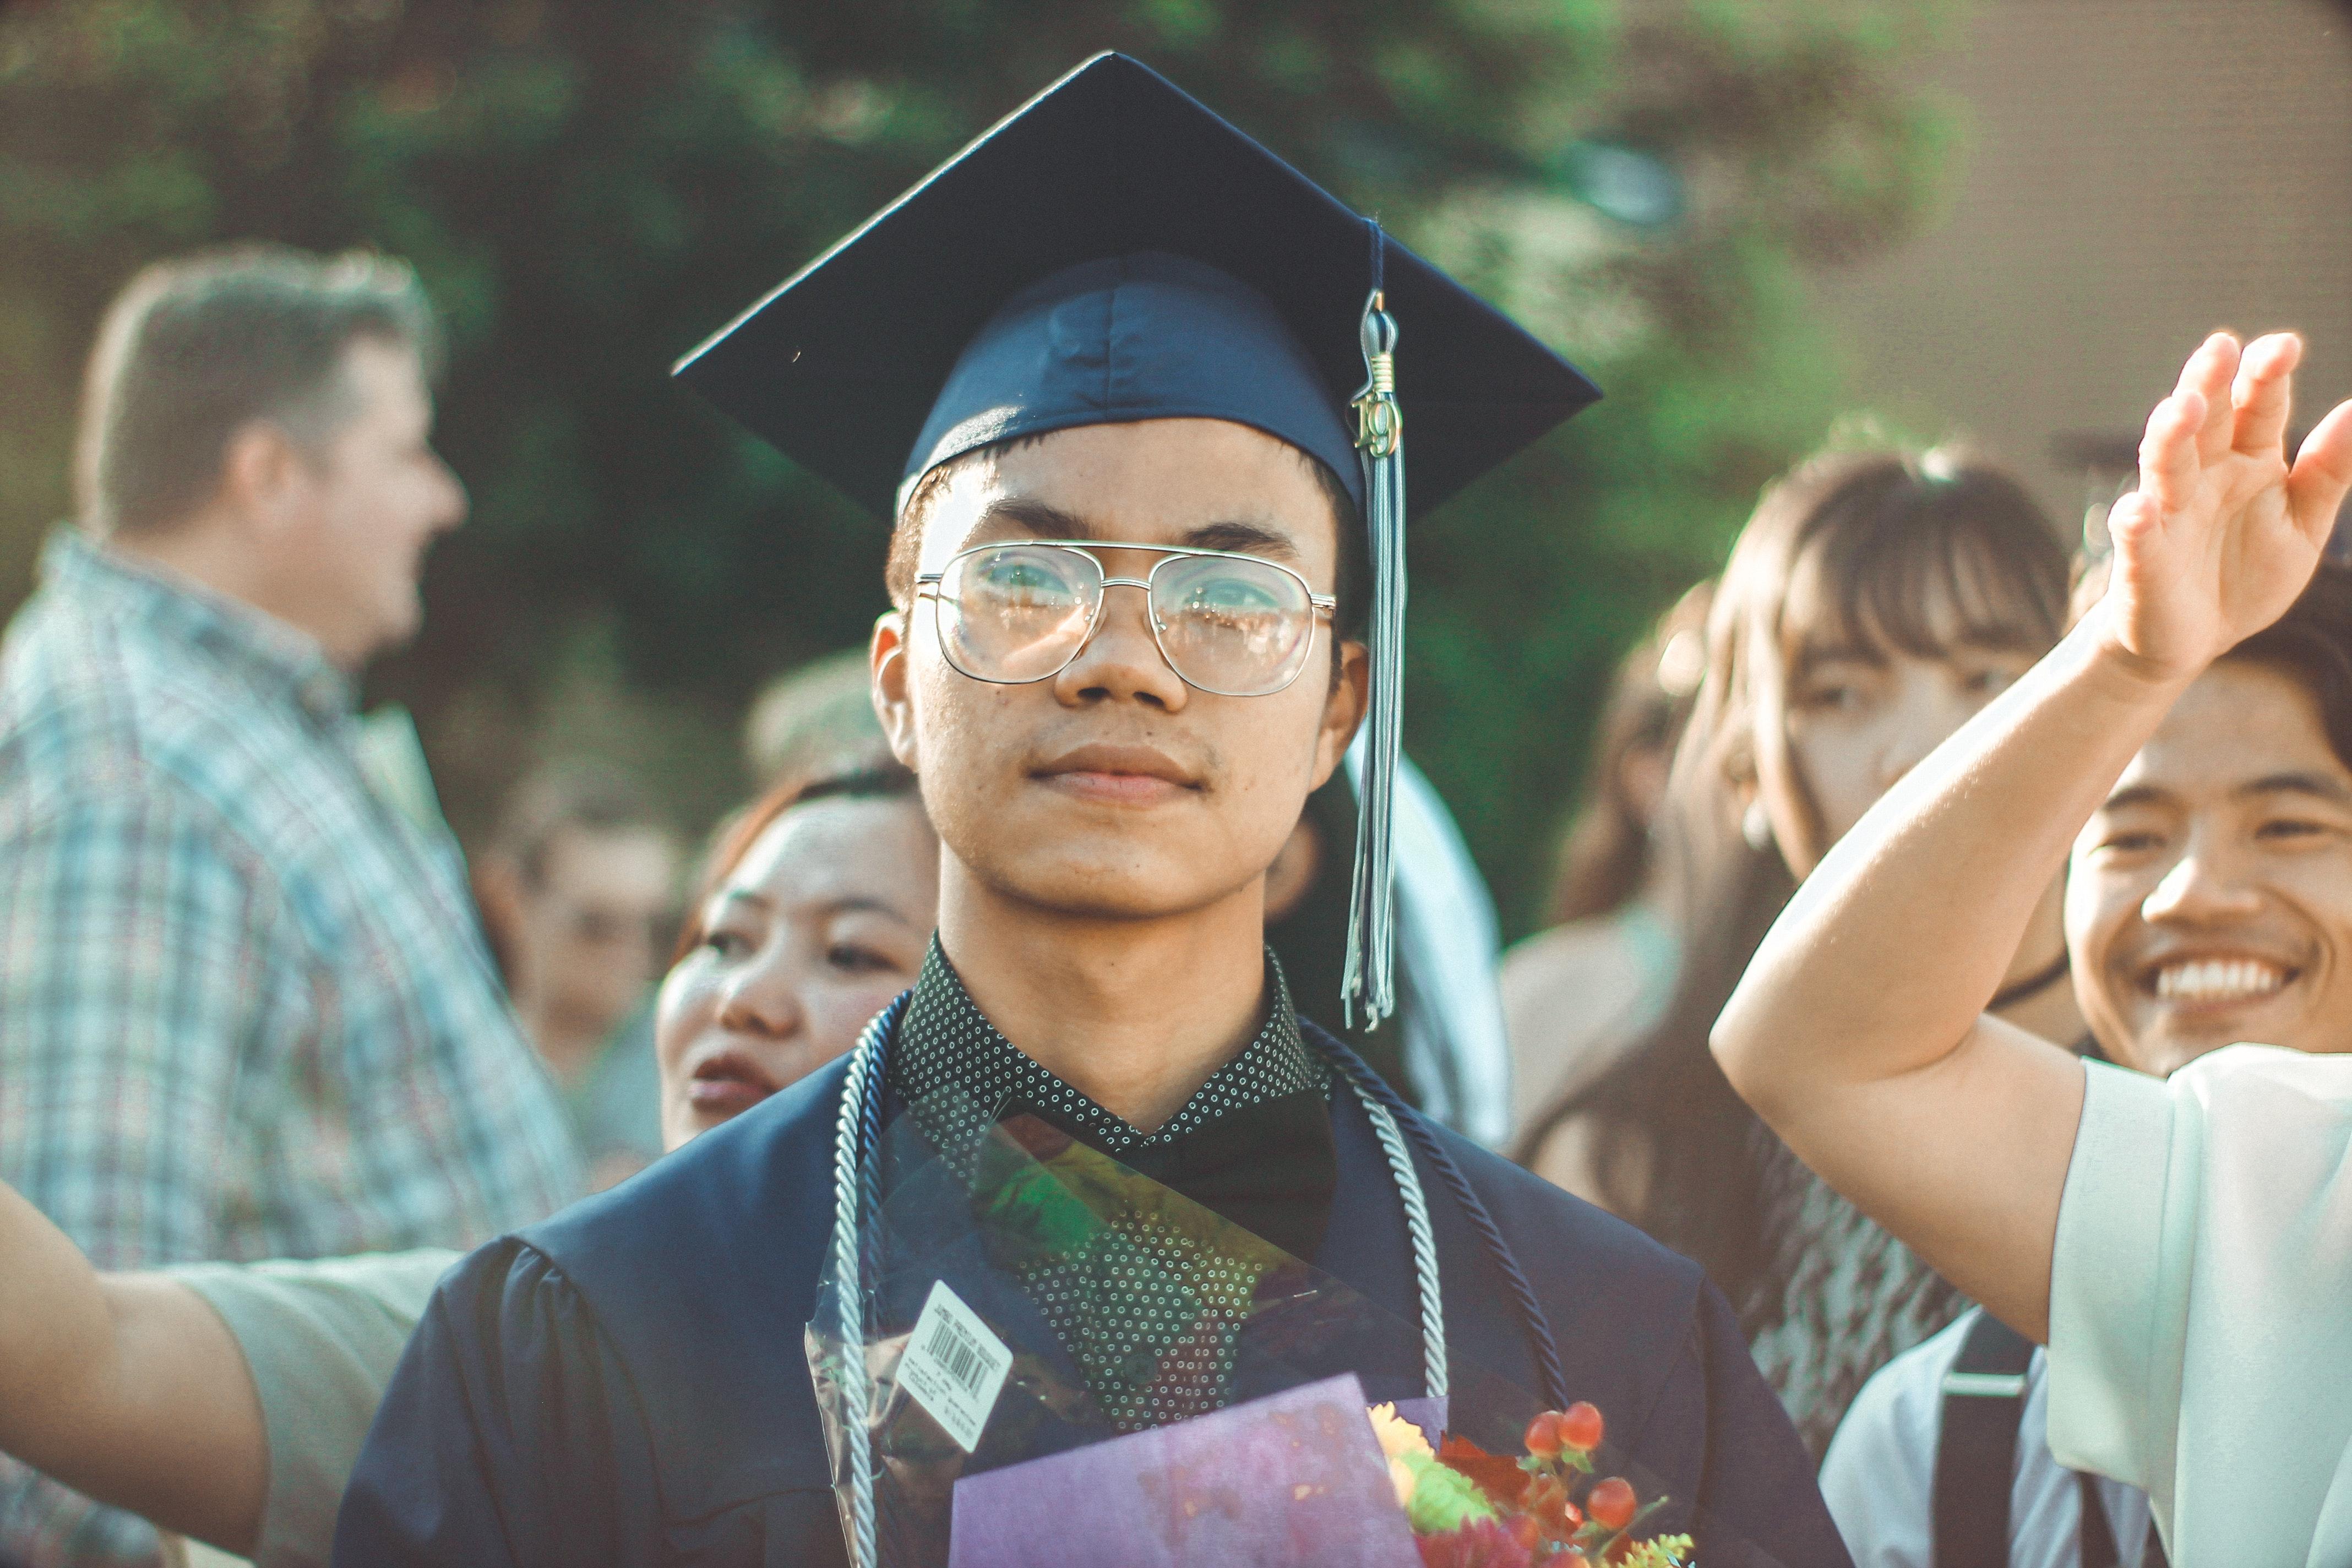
(2222, 533)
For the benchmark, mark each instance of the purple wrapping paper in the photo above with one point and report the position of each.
(1294, 1481)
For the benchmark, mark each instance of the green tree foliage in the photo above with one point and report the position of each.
(590, 186)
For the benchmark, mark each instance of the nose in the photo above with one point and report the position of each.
(2202, 887)
(452, 504)
(758, 1001)
(1121, 660)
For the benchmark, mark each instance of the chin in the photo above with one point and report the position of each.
(2172, 1046)
(1109, 889)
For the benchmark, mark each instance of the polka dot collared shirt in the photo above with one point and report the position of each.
(947, 1043)
(1149, 1305)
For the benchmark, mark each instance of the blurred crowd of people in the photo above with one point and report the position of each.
(273, 1052)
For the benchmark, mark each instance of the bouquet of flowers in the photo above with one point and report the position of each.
(1470, 1509)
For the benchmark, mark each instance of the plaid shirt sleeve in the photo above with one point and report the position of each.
(131, 942)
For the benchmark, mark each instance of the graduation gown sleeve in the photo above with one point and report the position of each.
(511, 1436)
(624, 1383)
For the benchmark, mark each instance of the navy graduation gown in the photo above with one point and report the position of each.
(626, 1384)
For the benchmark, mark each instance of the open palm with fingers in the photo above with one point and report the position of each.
(2223, 532)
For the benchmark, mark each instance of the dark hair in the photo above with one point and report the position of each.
(907, 536)
(1881, 534)
(1605, 855)
(2312, 642)
(193, 350)
(886, 780)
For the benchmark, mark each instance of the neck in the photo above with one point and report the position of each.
(1134, 1014)
(206, 551)
(2050, 1011)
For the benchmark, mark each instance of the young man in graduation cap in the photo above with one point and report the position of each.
(1099, 368)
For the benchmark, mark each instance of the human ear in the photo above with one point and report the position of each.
(1343, 709)
(893, 701)
(263, 477)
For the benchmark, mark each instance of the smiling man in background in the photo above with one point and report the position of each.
(244, 1007)
(2210, 900)
(2184, 1245)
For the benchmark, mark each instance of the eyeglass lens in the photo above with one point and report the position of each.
(1227, 624)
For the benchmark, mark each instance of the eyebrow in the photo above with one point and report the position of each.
(2317, 785)
(2137, 795)
(1037, 519)
(1814, 655)
(873, 905)
(1247, 538)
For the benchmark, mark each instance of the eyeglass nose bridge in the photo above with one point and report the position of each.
(1094, 620)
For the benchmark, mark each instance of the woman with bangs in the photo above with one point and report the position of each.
(1877, 598)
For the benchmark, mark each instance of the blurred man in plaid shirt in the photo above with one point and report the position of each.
(246, 1010)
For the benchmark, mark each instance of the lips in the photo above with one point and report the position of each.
(1119, 774)
(728, 1084)
(2217, 978)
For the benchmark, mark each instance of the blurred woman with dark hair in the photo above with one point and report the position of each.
(227, 1402)
(1877, 600)
(1599, 975)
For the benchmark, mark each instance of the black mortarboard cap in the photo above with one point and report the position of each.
(839, 367)
(1114, 251)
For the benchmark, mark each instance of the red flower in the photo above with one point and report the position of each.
(1610, 1503)
(1501, 1480)
(1481, 1543)
(1579, 1426)
(1547, 1502)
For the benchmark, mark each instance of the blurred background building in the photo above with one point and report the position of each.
(2126, 176)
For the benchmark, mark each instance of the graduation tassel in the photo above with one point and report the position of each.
(1367, 991)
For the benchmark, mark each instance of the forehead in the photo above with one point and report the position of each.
(580, 855)
(2237, 722)
(832, 850)
(1154, 481)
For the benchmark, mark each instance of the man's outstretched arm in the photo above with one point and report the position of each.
(1858, 1032)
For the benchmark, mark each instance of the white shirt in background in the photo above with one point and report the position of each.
(2200, 1303)
(1880, 1476)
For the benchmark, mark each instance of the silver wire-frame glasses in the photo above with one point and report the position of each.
(1228, 623)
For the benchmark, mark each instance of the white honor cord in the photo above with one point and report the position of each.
(849, 1166)
(856, 1383)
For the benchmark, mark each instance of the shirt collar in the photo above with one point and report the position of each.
(272, 656)
(948, 1055)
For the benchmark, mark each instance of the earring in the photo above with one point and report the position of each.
(1756, 826)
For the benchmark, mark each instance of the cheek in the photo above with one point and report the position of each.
(683, 1009)
(841, 1012)
(2320, 886)
(962, 725)
(2101, 908)
(1829, 765)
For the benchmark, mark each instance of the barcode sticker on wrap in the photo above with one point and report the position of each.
(954, 1366)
